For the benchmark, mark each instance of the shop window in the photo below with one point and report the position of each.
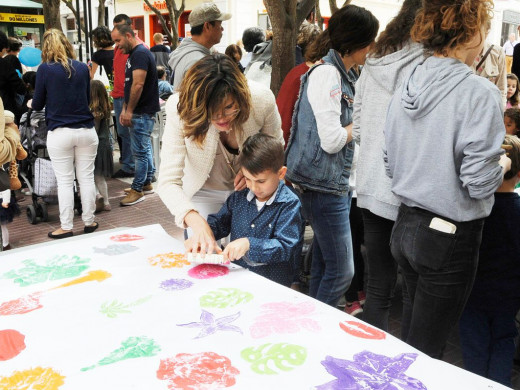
(71, 24)
(138, 24)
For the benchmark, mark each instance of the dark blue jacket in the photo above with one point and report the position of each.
(66, 99)
(273, 232)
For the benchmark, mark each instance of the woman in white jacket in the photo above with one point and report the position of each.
(207, 122)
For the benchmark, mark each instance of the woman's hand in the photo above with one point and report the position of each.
(240, 181)
(5, 205)
(29, 103)
(202, 240)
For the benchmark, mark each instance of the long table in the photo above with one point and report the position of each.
(125, 310)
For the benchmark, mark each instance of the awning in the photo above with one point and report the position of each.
(20, 4)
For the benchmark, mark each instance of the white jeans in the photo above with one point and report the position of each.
(68, 149)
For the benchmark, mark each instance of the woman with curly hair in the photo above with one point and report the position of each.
(443, 133)
(63, 88)
(104, 56)
(207, 123)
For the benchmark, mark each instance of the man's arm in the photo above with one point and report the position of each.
(138, 78)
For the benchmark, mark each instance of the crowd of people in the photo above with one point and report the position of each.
(405, 143)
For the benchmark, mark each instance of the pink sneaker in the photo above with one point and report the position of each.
(353, 309)
(362, 297)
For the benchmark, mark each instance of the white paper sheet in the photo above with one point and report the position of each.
(125, 310)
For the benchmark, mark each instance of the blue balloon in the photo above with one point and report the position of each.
(30, 56)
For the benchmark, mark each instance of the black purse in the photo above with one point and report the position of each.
(4, 180)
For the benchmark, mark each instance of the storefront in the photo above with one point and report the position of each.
(22, 19)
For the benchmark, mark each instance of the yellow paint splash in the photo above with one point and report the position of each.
(92, 276)
(169, 260)
(34, 379)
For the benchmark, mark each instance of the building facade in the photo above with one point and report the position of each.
(22, 19)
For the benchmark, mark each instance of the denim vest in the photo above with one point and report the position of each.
(308, 165)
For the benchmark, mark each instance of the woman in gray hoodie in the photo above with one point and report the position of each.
(391, 59)
(443, 136)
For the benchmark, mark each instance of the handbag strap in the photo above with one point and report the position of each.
(484, 58)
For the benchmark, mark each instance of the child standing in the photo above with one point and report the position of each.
(264, 220)
(104, 164)
(512, 121)
(513, 99)
(487, 329)
(7, 212)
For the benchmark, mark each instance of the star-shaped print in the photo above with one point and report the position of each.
(371, 371)
(209, 324)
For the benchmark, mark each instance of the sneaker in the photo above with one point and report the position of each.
(147, 189)
(107, 207)
(132, 197)
(353, 308)
(362, 297)
(122, 174)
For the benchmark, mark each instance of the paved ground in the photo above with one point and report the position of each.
(152, 211)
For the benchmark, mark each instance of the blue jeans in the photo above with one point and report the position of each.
(127, 158)
(382, 274)
(439, 270)
(332, 266)
(488, 343)
(140, 132)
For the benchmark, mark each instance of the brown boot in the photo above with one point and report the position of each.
(13, 176)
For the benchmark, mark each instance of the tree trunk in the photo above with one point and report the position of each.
(101, 13)
(319, 18)
(285, 21)
(51, 13)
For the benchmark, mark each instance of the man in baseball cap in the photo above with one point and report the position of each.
(206, 30)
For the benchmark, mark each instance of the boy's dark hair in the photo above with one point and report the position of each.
(251, 37)
(514, 155)
(30, 78)
(160, 72)
(261, 152)
(123, 18)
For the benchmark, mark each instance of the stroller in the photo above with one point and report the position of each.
(36, 170)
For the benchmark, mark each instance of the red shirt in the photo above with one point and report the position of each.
(119, 70)
(287, 97)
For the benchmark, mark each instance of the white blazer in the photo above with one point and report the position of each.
(185, 166)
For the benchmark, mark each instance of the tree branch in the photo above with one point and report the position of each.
(68, 3)
(161, 19)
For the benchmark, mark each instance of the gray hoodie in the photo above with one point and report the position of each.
(182, 58)
(443, 133)
(380, 78)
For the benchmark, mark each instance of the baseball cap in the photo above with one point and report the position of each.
(206, 12)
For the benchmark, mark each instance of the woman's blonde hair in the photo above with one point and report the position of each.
(203, 93)
(57, 48)
(443, 25)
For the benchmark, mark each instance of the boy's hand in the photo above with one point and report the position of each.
(236, 249)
